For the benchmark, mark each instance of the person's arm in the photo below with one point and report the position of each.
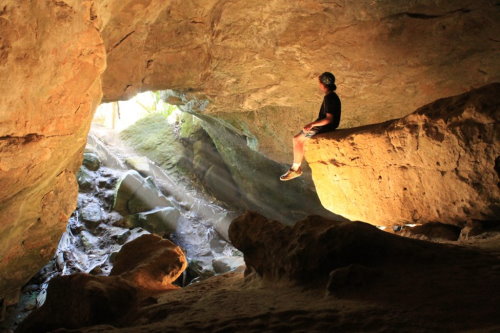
(321, 122)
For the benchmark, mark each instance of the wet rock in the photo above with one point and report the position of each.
(97, 270)
(147, 197)
(92, 213)
(433, 231)
(107, 196)
(80, 300)
(150, 263)
(136, 194)
(85, 180)
(125, 188)
(91, 161)
(107, 182)
(227, 264)
(122, 238)
(159, 221)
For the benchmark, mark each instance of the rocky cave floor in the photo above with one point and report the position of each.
(443, 293)
(437, 278)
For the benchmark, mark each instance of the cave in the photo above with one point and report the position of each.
(177, 221)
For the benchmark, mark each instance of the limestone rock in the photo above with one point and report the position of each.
(438, 164)
(150, 263)
(79, 300)
(51, 60)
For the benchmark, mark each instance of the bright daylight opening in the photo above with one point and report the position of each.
(120, 115)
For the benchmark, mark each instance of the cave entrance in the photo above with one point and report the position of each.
(119, 115)
(138, 177)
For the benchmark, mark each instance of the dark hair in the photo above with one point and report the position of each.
(328, 79)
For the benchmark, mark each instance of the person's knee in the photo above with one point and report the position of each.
(299, 138)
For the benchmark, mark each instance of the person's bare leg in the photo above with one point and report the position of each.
(298, 148)
(298, 154)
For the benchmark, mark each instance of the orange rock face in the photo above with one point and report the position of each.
(257, 62)
(440, 163)
(51, 58)
(150, 263)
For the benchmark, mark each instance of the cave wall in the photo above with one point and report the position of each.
(51, 59)
(258, 61)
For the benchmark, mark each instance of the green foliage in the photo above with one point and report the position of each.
(158, 105)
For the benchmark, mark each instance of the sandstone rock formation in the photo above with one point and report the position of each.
(150, 263)
(314, 247)
(255, 62)
(147, 265)
(258, 62)
(51, 58)
(438, 164)
(80, 300)
(358, 262)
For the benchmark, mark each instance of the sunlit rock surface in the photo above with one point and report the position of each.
(258, 62)
(438, 164)
(150, 263)
(51, 58)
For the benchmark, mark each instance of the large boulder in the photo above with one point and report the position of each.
(150, 263)
(80, 300)
(159, 220)
(134, 193)
(147, 264)
(438, 164)
(320, 252)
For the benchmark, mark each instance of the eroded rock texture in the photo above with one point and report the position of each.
(258, 62)
(143, 267)
(51, 58)
(150, 263)
(438, 164)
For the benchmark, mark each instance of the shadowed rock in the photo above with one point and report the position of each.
(79, 300)
(146, 265)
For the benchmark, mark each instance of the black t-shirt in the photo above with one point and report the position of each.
(331, 104)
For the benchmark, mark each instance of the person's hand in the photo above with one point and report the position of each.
(308, 127)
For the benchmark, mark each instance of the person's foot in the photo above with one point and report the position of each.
(291, 174)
